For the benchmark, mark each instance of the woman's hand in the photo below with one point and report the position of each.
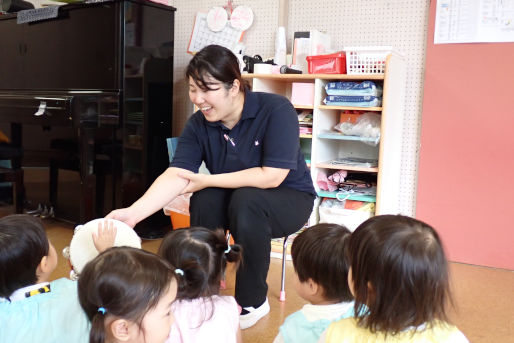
(125, 215)
(104, 238)
(197, 182)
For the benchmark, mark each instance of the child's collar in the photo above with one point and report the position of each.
(26, 292)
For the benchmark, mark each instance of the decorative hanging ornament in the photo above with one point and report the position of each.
(241, 17)
(217, 18)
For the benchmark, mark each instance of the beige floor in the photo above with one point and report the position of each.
(484, 297)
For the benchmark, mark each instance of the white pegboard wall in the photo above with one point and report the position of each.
(259, 39)
(399, 23)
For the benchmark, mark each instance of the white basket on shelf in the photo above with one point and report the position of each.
(366, 60)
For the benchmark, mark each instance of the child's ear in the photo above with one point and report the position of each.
(314, 287)
(120, 329)
(44, 267)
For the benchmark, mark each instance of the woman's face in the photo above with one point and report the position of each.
(216, 104)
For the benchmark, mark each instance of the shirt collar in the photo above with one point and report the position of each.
(21, 293)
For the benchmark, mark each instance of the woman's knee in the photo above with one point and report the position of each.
(244, 199)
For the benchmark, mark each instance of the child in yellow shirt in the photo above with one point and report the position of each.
(399, 278)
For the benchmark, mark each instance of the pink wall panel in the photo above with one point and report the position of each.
(466, 167)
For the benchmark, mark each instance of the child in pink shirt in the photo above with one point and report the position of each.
(201, 314)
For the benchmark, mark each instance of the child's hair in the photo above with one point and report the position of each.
(320, 253)
(202, 255)
(399, 272)
(124, 282)
(23, 243)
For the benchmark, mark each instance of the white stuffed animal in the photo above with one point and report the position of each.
(82, 248)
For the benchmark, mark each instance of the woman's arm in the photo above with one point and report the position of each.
(259, 177)
(164, 189)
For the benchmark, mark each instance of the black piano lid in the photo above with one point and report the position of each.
(69, 52)
(71, 108)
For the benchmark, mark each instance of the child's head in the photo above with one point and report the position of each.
(320, 262)
(127, 295)
(202, 255)
(26, 255)
(398, 274)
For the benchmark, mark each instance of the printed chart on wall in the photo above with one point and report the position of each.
(202, 35)
(474, 21)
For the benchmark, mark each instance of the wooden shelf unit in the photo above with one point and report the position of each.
(328, 146)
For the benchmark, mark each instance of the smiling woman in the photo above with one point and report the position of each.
(259, 187)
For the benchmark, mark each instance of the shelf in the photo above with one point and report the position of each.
(305, 136)
(341, 137)
(328, 165)
(357, 197)
(352, 108)
(303, 107)
(296, 77)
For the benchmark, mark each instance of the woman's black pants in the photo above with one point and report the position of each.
(253, 216)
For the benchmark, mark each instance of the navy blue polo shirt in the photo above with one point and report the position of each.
(267, 135)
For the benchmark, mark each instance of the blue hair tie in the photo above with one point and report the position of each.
(179, 272)
(101, 310)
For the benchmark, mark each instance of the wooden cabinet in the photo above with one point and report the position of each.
(325, 145)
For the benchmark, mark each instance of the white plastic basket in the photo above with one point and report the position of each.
(366, 60)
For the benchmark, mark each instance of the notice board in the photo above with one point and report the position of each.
(466, 166)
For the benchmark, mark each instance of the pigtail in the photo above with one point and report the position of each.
(194, 281)
(234, 253)
(97, 332)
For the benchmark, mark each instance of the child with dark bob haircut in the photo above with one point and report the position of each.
(202, 315)
(399, 277)
(33, 309)
(321, 274)
(127, 295)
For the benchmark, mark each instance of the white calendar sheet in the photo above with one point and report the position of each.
(203, 36)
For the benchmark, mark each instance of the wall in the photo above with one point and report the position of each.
(400, 23)
(259, 39)
(466, 163)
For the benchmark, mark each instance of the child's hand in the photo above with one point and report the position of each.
(104, 239)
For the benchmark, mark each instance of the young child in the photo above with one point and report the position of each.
(32, 309)
(127, 295)
(399, 277)
(201, 314)
(321, 274)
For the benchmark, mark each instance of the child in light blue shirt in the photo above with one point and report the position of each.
(321, 274)
(32, 309)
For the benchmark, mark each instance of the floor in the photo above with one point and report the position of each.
(484, 297)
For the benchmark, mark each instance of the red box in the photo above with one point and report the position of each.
(327, 64)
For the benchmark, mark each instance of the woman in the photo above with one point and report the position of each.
(259, 187)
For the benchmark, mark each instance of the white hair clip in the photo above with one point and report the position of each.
(179, 272)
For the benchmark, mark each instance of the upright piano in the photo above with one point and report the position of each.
(93, 85)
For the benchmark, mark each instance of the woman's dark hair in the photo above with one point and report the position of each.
(320, 253)
(400, 274)
(126, 282)
(218, 62)
(23, 243)
(202, 255)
